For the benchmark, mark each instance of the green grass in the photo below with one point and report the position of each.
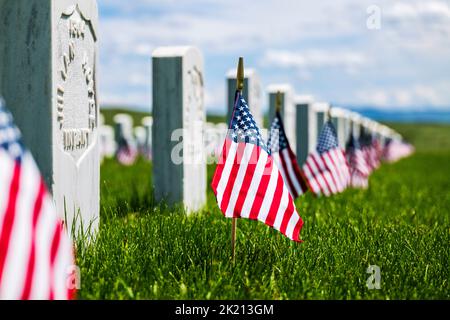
(145, 250)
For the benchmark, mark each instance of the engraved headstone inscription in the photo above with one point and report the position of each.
(179, 160)
(49, 79)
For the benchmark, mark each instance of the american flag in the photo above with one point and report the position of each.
(369, 149)
(395, 150)
(359, 170)
(326, 169)
(247, 182)
(126, 152)
(36, 254)
(285, 158)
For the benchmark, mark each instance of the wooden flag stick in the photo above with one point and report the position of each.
(239, 87)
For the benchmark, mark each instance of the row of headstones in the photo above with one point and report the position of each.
(178, 103)
(139, 137)
(48, 77)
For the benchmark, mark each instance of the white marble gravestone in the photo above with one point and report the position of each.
(356, 124)
(252, 93)
(123, 129)
(48, 72)
(288, 112)
(321, 109)
(140, 138)
(107, 143)
(338, 116)
(179, 160)
(147, 123)
(306, 128)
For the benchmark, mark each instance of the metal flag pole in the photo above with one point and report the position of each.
(239, 87)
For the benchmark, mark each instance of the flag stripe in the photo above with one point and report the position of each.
(221, 164)
(257, 180)
(226, 173)
(269, 195)
(298, 172)
(276, 200)
(9, 218)
(248, 178)
(241, 166)
(282, 166)
(232, 177)
(262, 189)
(53, 252)
(32, 258)
(287, 216)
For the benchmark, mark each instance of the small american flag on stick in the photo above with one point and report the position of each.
(35, 252)
(285, 158)
(326, 169)
(126, 153)
(359, 169)
(247, 182)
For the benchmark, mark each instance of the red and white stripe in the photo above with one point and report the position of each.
(359, 169)
(127, 156)
(35, 252)
(397, 150)
(290, 171)
(248, 184)
(327, 173)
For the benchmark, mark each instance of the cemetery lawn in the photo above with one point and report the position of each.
(145, 250)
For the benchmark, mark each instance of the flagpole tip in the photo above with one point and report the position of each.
(240, 75)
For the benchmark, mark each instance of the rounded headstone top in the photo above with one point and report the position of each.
(304, 99)
(339, 112)
(123, 118)
(282, 87)
(174, 51)
(248, 73)
(147, 121)
(321, 106)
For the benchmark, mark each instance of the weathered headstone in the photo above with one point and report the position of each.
(356, 124)
(147, 123)
(306, 127)
(321, 109)
(338, 116)
(48, 77)
(107, 144)
(252, 93)
(179, 162)
(123, 129)
(287, 111)
(140, 138)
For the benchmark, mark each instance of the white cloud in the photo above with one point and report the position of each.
(347, 60)
(416, 96)
(292, 40)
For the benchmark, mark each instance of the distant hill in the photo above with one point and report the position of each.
(429, 116)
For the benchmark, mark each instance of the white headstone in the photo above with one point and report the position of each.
(356, 124)
(147, 123)
(252, 93)
(321, 109)
(140, 138)
(339, 116)
(306, 127)
(288, 112)
(107, 144)
(179, 163)
(48, 75)
(123, 128)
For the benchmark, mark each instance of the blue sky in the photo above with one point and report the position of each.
(322, 48)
